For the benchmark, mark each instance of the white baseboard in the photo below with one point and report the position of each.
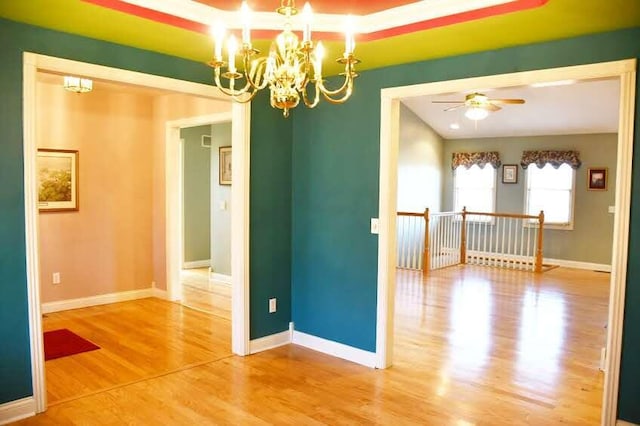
(336, 349)
(269, 342)
(17, 410)
(577, 265)
(623, 423)
(197, 264)
(221, 278)
(101, 299)
(159, 293)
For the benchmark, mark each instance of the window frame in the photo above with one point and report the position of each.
(552, 225)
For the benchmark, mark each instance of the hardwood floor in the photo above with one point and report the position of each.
(138, 340)
(474, 346)
(203, 294)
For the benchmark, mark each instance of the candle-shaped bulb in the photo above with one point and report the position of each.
(307, 17)
(245, 17)
(349, 41)
(232, 47)
(319, 56)
(217, 31)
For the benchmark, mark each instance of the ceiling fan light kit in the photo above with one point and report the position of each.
(479, 106)
(291, 70)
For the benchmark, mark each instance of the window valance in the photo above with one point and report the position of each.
(555, 158)
(480, 159)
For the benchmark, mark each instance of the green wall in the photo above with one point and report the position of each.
(270, 173)
(592, 236)
(196, 193)
(335, 193)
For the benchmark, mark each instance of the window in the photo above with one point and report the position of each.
(551, 190)
(475, 189)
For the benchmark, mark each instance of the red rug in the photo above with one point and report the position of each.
(63, 342)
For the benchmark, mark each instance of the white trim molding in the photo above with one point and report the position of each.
(377, 21)
(329, 347)
(269, 342)
(220, 278)
(17, 410)
(101, 299)
(625, 70)
(197, 264)
(589, 266)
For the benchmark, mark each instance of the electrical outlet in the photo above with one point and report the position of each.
(272, 305)
(56, 277)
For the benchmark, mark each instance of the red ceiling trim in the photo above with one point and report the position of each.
(458, 18)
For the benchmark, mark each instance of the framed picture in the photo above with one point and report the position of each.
(225, 165)
(510, 173)
(597, 179)
(57, 180)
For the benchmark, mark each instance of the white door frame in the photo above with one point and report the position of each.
(239, 221)
(389, 142)
(32, 63)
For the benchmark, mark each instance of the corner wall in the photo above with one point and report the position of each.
(420, 165)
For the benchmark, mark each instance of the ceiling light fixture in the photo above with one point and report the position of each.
(289, 68)
(77, 84)
(476, 113)
(454, 126)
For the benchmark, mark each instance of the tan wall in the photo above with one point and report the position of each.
(106, 246)
(116, 241)
(168, 108)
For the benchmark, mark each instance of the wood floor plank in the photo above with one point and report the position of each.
(474, 346)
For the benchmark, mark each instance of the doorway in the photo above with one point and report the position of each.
(390, 106)
(241, 114)
(205, 276)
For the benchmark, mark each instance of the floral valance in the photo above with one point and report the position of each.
(480, 159)
(555, 158)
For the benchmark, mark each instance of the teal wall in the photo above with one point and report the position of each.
(196, 193)
(270, 172)
(591, 238)
(335, 193)
(270, 203)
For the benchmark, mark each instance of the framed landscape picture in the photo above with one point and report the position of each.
(225, 165)
(57, 180)
(597, 179)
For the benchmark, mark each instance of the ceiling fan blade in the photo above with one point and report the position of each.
(447, 102)
(491, 107)
(507, 101)
(454, 107)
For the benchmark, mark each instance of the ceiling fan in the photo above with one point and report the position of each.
(479, 105)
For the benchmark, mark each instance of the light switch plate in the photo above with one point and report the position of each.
(375, 224)
(612, 209)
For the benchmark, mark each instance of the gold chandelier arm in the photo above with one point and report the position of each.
(257, 68)
(230, 91)
(346, 89)
(316, 98)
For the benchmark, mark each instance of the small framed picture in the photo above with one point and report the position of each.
(57, 180)
(597, 179)
(510, 173)
(225, 165)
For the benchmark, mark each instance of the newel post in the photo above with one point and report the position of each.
(426, 255)
(463, 237)
(539, 242)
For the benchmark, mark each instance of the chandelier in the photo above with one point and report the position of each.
(292, 70)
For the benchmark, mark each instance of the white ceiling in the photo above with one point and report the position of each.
(588, 106)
